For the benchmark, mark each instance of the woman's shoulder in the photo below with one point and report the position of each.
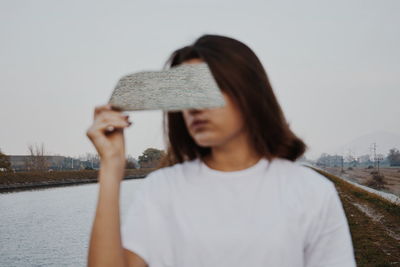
(301, 177)
(158, 184)
(302, 188)
(173, 170)
(169, 174)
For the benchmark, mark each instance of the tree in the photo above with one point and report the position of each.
(351, 160)
(326, 160)
(366, 159)
(132, 163)
(323, 160)
(37, 160)
(5, 162)
(150, 157)
(394, 157)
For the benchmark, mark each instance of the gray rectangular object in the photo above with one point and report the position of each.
(182, 87)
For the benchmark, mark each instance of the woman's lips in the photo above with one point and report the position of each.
(198, 123)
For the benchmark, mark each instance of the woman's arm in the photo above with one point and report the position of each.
(105, 247)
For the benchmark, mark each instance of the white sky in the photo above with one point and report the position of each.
(334, 65)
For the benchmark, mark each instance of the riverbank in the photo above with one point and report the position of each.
(362, 175)
(14, 182)
(373, 221)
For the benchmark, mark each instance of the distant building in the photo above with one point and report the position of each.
(19, 163)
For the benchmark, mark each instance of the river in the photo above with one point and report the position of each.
(51, 227)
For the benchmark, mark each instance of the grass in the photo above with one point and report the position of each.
(374, 199)
(373, 246)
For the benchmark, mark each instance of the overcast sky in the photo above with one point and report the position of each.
(334, 65)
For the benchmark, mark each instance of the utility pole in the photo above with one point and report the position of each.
(373, 149)
(379, 158)
(341, 159)
(351, 158)
(378, 165)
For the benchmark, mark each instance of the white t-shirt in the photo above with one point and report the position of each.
(276, 213)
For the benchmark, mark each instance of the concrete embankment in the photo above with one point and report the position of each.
(386, 195)
(374, 222)
(48, 184)
(12, 182)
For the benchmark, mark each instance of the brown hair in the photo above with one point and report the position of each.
(239, 73)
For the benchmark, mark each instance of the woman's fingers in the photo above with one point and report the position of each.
(107, 121)
(106, 108)
(99, 109)
(111, 115)
(106, 112)
(98, 129)
(111, 126)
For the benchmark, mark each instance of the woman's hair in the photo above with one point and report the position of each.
(239, 73)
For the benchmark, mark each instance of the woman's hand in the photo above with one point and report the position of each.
(107, 133)
(105, 241)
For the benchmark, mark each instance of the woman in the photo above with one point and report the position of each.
(228, 192)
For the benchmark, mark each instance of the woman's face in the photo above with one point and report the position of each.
(214, 126)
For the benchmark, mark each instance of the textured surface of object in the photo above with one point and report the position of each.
(182, 87)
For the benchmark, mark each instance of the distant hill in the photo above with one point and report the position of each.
(361, 145)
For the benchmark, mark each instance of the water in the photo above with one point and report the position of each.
(51, 227)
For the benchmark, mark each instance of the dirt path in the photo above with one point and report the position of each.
(374, 224)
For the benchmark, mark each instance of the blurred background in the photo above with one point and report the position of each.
(334, 66)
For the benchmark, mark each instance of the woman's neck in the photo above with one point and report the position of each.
(232, 156)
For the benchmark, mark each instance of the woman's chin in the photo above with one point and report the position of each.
(206, 142)
(206, 139)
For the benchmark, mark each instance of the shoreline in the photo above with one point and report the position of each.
(19, 187)
(25, 181)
